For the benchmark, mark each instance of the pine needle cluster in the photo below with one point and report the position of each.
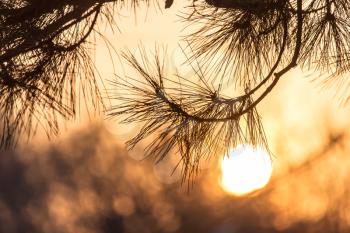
(187, 117)
(46, 65)
(254, 43)
(46, 62)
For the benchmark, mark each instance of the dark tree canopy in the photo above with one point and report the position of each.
(45, 58)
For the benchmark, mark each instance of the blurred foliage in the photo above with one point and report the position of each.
(85, 182)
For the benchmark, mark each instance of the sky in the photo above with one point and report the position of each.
(84, 180)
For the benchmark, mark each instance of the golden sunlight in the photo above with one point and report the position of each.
(245, 169)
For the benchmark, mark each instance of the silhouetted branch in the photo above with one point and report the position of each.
(253, 42)
(45, 60)
(46, 63)
(189, 118)
(196, 118)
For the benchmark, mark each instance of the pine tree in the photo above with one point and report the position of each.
(46, 57)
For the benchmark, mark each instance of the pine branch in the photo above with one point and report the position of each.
(46, 60)
(189, 118)
(194, 119)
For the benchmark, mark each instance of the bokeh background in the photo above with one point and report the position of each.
(85, 181)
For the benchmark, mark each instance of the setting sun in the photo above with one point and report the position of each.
(245, 169)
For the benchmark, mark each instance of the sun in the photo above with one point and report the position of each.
(245, 169)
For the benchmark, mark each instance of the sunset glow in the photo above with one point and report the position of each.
(244, 170)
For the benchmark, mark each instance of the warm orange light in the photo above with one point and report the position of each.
(245, 169)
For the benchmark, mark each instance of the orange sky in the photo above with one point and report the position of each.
(298, 117)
